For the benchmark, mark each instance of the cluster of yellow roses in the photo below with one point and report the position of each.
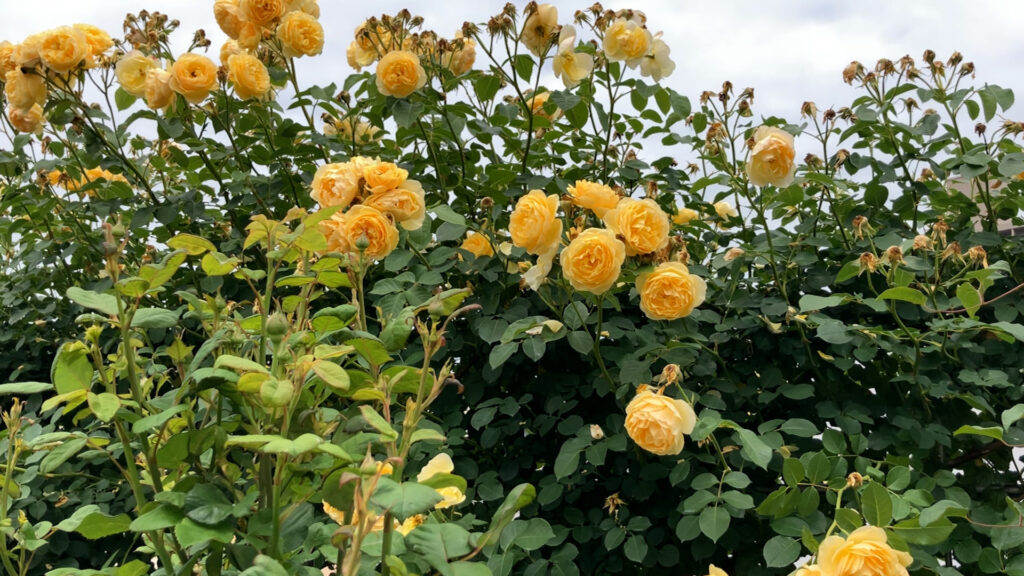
(592, 261)
(51, 56)
(291, 25)
(58, 178)
(625, 38)
(400, 53)
(373, 197)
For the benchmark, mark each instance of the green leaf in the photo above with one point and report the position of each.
(904, 294)
(123, 99)
(913, 533)
(92, 523)
(436, 543)
(987, 431)
(754, 449)
(876, 504)
(217, 264)
(104, 405)
(61, 454)
(636, 548)
(811, 302)
(190, 533)
(501, 353)
(192, 245)
(105, 303)
(72, 370)
(527, 534)
(1009, 416)
(378, 422)
(239, 364)
(154, 318)
(372, 350)
(714, 522)
(332, 375)
(969, 297)
(517, 498)
(792, 471)
(163, 516)
(154, 421)
(403, 499)
(940, 510)
(25, 388)
(445, 213)
(781, 551)
(265, 566)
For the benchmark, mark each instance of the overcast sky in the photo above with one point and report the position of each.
(788, 50)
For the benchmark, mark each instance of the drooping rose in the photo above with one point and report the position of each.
(539, 27)
(24, 90)
(27, 120)
(569, 65)
(657, 63)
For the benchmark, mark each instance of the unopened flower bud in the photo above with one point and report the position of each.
(596, 432)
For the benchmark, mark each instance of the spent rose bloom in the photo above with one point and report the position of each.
(865, 552)
(642, 224)
(248, 75)
(569, 65)
(345, 230)
(627, 40)
(477, 244)
(772, 157)
(670, 291)
(539, 27)
(442, 464)
(462, 59)
(593, 260)
(63, 49)
(193, 76)
(132, 70)
(598, 198)
(534, 225)
(301, 34)
(399, 74)
(656, 63)
(404, 203)
(657, 422)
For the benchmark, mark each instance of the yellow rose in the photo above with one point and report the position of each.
(569, 65)
(63, 49)
(598, 198)
(338, 184)
(98, 41)
(627, 40)
(26, 54)
(715, 571)
(725, 210)
(657, 64)
(249, 35)
(193, 76)
(26, 119)
(670, 291)
(411, 522)
(383, 176)
(642, 224)
(399, 74)
(24, 90)
(301, 34)
(534, 225)
(685, 215)
(132, 70)
(772, 157)
(865, 552)
(405, 203)
(539, 27)
(7, 62)
(657, 424)
(227, 16)
(442, 464)
(308, 6)
(158, 93)
(809, 570)
(536, 105)
(462, 59)
(478, 245)
(248, 75)
(361, 223)
(351, 130)
(358, 57)
(261, 12)
(227, 50)
(593, 260)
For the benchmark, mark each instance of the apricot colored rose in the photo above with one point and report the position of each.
(225, 12)
(24, 90)
(642, 224)
(534, 225)
(338, 184)
(478, 244)
(405, 203)
(684, 216)
(132, 69)
(772, 157)
(26, 119)
(158, 93)
(593, 260)
(345, 231)
(670, 291)
(97, 40)
(261, 12)
(598, 198)
(657, 423)
(383, 176)
(399, 74)
(193, 76)
(627, 40)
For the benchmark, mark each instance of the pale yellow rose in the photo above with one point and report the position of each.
(310, 7)
(227, 15)
(657, 424)
(534, 224)
(350, 130)
(344, 232)
(715, 571)
(725, 210)
(865, 552)
(627, 40)
(383, 176)
(26, 54)
(539, 27)
(26, 120)
(63, 49)
(461, 60)
(248, 75)
(442, 464)
(98, 41)
(478, 245)
(158, 93)
(132, 69)
(338, 184)
(772, 159)
(657, 63)
(227, 50)
(301, 34)
(7, 62)
(358, 57)
(569, 65)
(264, 13)
(642, 224)
(670, 291)
(598, 198)
(809, 570)
(536, 274)
(399, 74)
(24, 90)
(684, 216)
(405, 203)
(593, 260)
(193, 76)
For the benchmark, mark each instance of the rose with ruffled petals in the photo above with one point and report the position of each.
(63, 49)
(534, 224)
(478, 245)
(642, 224)
(132, 69)
(399, 74)
(809, 570)
(248, 75)
(772, 159)
(593, 260)
(657, 423)
(865, 552)
(339, 183)
(26, 120)
(24, 90)
(301, 34)
(193, 76)
(670, 291)
(261, 12)
(158, 93)
(364, 225)
(598, 198)
(627, 40)
(405, 203)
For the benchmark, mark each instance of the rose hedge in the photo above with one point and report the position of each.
(649, 336)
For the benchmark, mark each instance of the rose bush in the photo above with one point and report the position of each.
(444, 318)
